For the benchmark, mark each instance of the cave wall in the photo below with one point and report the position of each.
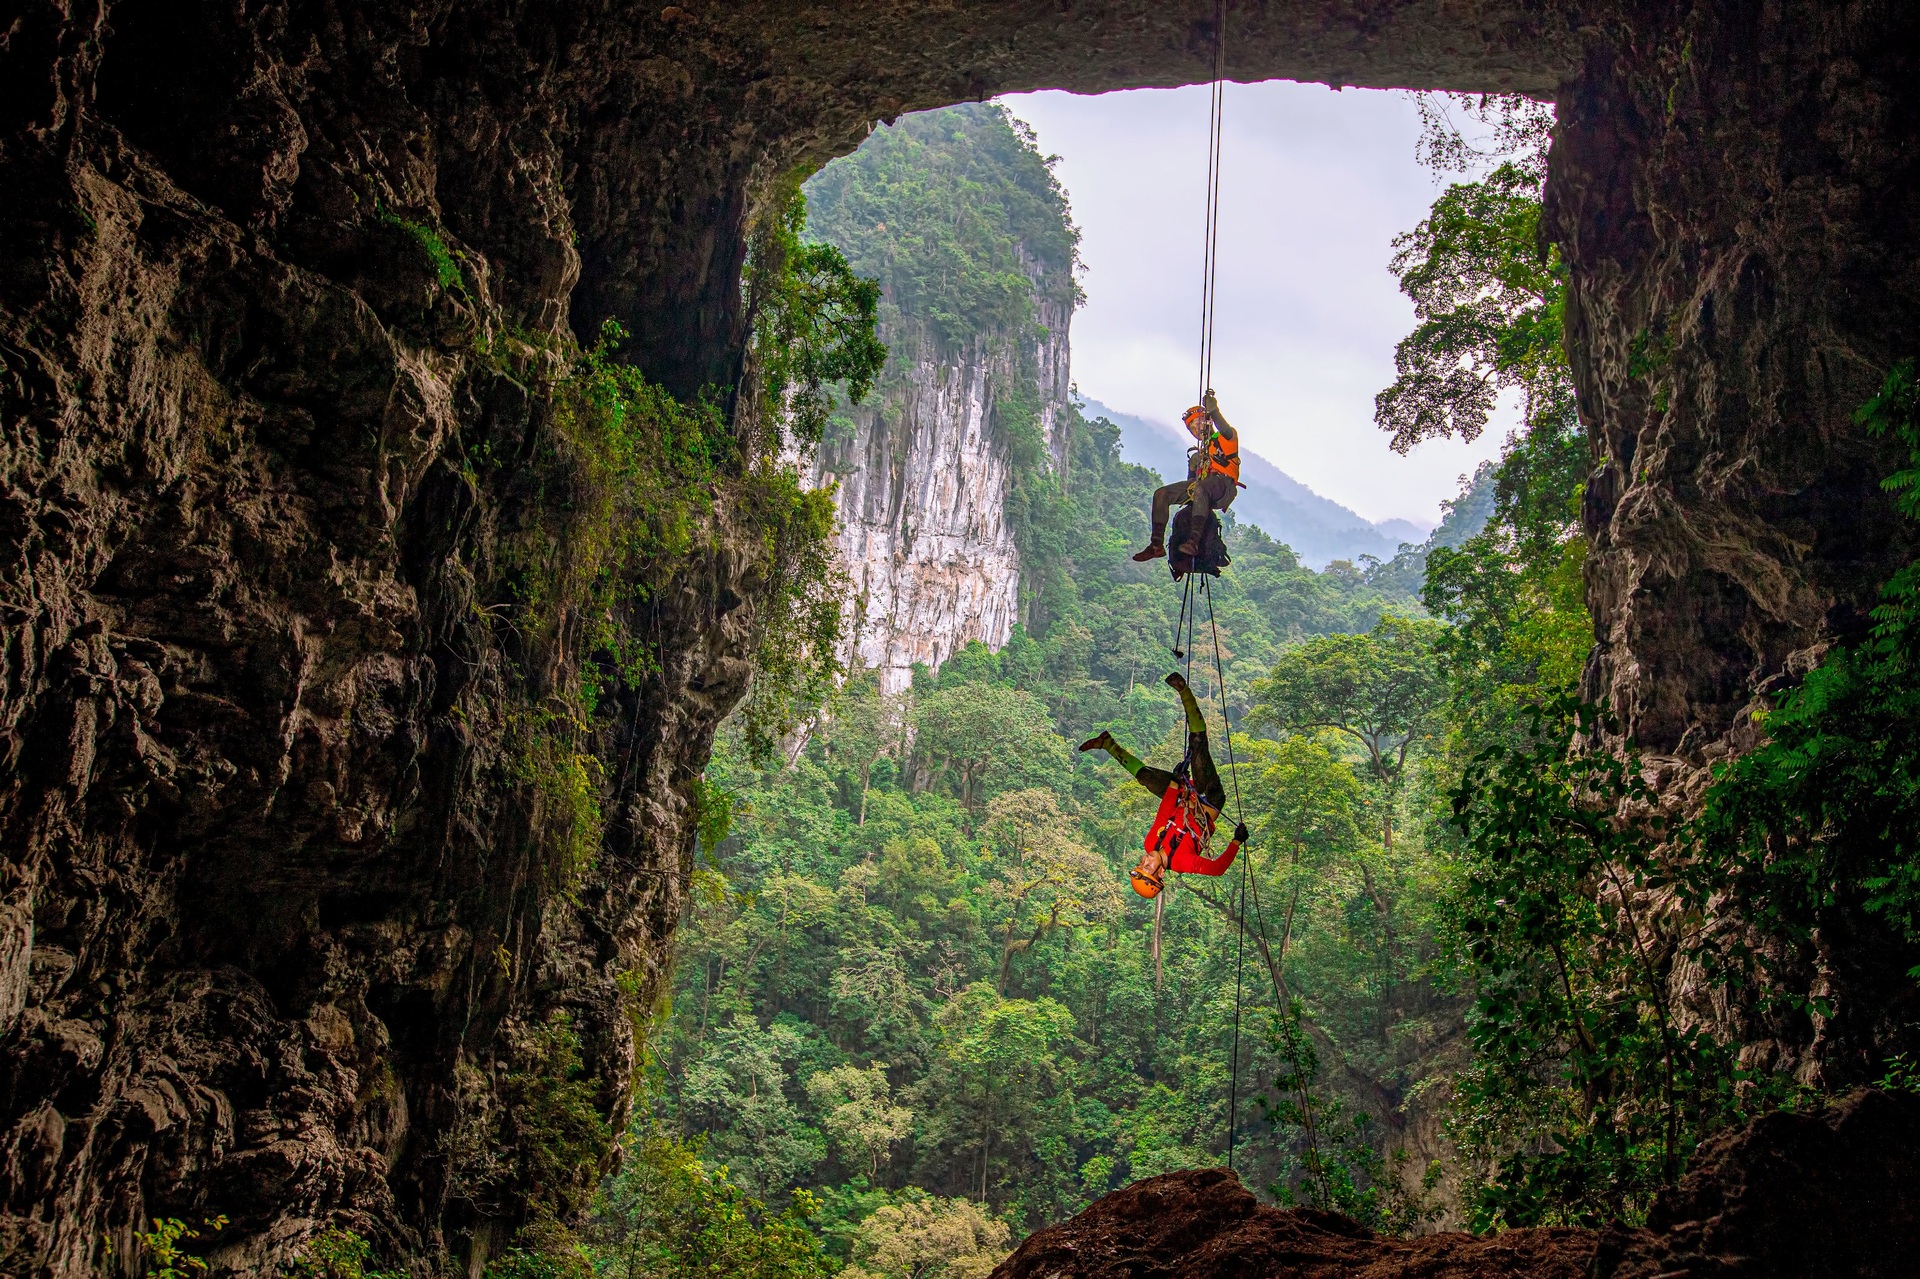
(1736, 191)
(1736, 188)
(276, 910)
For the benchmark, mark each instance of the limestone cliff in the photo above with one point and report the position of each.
(961, 221)
(923, 482)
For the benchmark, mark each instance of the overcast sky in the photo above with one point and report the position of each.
(1315, 185)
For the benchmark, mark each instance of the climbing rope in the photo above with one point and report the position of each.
(1209, 269)
(1240, 896)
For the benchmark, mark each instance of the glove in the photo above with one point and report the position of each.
(1208, 403)
(1240, 835)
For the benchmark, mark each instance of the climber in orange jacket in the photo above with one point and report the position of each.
(1213, 478)
(1189, 805)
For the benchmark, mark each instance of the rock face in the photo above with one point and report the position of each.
(1737, 194)
(922, 494)
(1205, 1225)
(1832, 1195)
(1821, 1195)
(280, 905)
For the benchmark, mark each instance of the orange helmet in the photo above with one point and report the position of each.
(1193, 415)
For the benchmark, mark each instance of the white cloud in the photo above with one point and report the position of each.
(1315, 185)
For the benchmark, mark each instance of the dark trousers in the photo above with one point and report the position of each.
(1206, 778)
(1212, 492)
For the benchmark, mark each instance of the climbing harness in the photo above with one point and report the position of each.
(1181, 829)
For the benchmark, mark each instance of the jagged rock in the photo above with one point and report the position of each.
(1204, 1224)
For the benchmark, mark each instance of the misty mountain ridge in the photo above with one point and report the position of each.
(1318, 529)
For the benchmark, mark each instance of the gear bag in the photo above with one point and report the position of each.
(1213, 548)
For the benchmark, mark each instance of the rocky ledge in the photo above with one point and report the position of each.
(1830, 1193)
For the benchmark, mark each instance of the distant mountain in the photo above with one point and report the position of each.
(1318, 529)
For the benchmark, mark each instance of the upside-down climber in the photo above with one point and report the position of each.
(1213, 478)
(1191, 798)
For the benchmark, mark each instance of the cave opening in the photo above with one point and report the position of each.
(342, 870)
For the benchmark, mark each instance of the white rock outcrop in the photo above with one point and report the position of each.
(922, 495)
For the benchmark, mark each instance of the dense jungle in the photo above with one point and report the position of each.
(450, 827)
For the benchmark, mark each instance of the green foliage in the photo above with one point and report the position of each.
(1334, 1161)
(628, 477)
(669, 1215)
(957, 216)
(813, 323)
(337, 1253)
(1589, 1088)
(802, 623)
(446, 265)
(555, 1137)
(1582, 906)
(922, 1236)
(1489, 300)
(165, 1251)
(1379, 690)
(858, 1114)
(612, 493)
(1822, 822)
(990, 738)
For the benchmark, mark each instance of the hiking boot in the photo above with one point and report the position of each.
(1104, 742)
(1190, 549)
(1176, 681)
(1154, 551)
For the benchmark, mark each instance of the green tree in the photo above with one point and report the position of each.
(857, 1110)
(999, 1062)
(989, 738)
(1379, 690)
(865, 725)
(668, 1215)
(813, 322)
(1488, 290)
(738, 1092)
(1044, 878)
(927, 1237)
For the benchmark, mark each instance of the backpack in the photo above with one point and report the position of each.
(1213, 548)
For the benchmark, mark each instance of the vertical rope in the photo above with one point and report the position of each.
(1239, 953)
(1216, 127)
(1240, 897)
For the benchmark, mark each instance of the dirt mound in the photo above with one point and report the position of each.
(1203, 1224)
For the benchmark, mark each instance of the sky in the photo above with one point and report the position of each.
(1315, 183)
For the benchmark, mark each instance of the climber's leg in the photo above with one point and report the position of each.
(1165, 498)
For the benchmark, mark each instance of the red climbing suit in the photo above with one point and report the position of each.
(1181, 829)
